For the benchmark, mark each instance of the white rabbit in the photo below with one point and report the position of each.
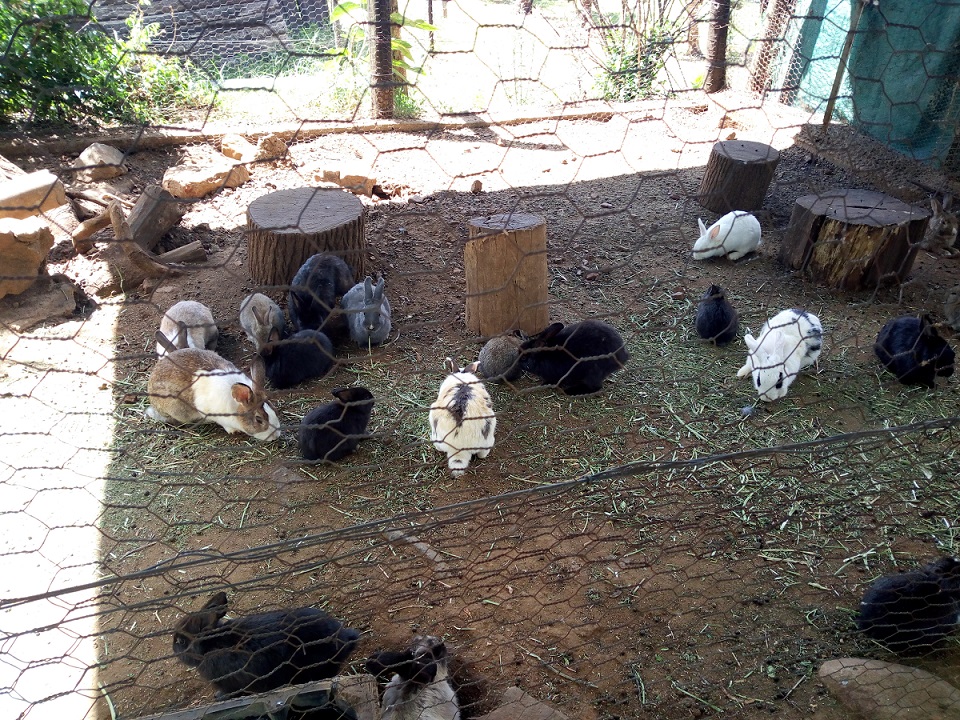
(462, 420)
(259, 317)
(734, 235)
(189, 324)
(789, 341)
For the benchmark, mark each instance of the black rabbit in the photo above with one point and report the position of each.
(912, 349)
(333, 431)
(717, 321)
(307, 354)
(262, 652)
(913, 612)
(419, 686)
(576, 358)
(319, 282)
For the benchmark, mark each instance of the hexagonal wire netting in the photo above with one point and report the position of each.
(677, 543)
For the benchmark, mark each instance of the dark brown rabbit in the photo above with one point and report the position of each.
(262, 652)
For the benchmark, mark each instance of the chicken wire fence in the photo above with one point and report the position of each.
(670, 546)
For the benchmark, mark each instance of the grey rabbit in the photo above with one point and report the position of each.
(259, 317)
(315, 288)
(911, 348)
(262, 652)
(499, 359)
(368, 313)
(914, 612)
(333, 431)
(717, 320)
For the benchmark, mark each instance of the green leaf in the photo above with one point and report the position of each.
(404, 21)
(344, 9)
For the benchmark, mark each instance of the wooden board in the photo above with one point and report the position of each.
(853, 239)
(505, 262)
(286, 227)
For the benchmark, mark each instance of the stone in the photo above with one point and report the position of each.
(24, 244)
(31, 194)
(48, 298)
(238, 147)
(879, 690)
(9, 170)
(62, 221)
(270, 147)
(518, 705)
(192, 181)
(99, 162)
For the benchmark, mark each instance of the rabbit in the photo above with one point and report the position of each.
(462, 419)
(951, 308)
(576, 358)
(420, 686)
(261, 652)
(315, 289)
(735, 234)
(189, 324)
(199, 386)
(941, 234)
(913, 612)
(303, 356)
(368, 313)
(259, 316)
(912, 349)
(789, 342)
(499, 358)
(717, 321)
(333, 431)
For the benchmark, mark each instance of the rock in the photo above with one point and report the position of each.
(31, 194)
(24, 244)
(358, 184)
(238, 147)
(518, 705)
(879, 690)
(99, 162)
(190, 181)
(62, 221)
(476, 187)
(9, 170)
(270, 147)
(360, 693)
(48, 298)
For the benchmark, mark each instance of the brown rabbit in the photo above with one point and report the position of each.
(199, 386)
(941, 235)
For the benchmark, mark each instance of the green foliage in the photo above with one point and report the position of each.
(58, 64)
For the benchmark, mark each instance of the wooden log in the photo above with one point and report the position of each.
(286, 227)
(505, 263)
(853, 239)
(191, 252)
(152, 216)
(87, 229)
(737, 175)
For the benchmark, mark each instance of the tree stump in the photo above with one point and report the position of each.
(286, 227)
(505, 262)
(853, 239)
(737, 175)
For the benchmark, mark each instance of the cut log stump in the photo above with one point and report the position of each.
(154, 214)
(505, 262)
(286, 227)
(737, 175)
(853, 239)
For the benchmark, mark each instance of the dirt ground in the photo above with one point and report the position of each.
(665, 593)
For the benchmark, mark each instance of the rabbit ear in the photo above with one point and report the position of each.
(378, 290)
(750, 341)
(182, 334)
(551, 331)
(217, 604)
(935, 206)
(703, 228)
(164, 341)
(368, 288)
(449, 365)
(258, 315)
(258, 373)
(242, 393)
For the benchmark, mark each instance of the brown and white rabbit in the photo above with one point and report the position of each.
(199, 386)
(189, 324)
(420, 687)
(262, 652)
(462, 420)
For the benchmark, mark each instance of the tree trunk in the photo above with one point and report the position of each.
(505, 263)
(853, 239)
(693, 28)
(288, 226)
(737, 175)
(716, 78)
(770, 44)
(382, 80)
(155, 212)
